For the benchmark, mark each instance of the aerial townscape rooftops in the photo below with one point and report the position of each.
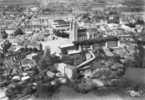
(76, 46)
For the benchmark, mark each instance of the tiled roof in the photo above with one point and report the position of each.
(97, 40)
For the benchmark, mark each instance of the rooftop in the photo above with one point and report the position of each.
(97, 40)
(60, 22)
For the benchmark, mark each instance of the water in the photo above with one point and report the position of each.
(136, 75)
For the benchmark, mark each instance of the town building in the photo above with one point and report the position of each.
(70, 49)
(88, 38)
(38, 23)
(10, 31)
(60, 24)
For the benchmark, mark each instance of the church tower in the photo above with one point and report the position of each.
(73, 30)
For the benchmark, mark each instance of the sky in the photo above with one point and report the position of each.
(45, 2)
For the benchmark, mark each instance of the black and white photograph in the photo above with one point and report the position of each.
(72, 49)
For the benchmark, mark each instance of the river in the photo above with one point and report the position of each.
(64, 93)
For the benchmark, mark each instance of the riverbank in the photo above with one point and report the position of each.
(66, 93)
(135, 75)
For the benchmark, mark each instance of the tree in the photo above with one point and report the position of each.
(4, 34)
(139, 54)
(140, 21)
(85, 17)
(112, 15)
(98, 15)
(47, 60)
(18, 31)
(135, 20)
(6, 45)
